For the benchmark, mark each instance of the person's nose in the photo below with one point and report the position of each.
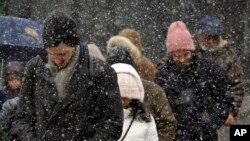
(58, 61)
(181, 59)
(210, 41)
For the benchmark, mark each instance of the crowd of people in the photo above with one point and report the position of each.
(71, 91)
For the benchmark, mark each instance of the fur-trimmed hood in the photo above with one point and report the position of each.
(120, 41)
(133, 35)
(144, 66)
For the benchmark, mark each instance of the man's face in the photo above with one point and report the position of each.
(208, 41)
(181, 57)
(61, 55)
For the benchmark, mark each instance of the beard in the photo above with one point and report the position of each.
(212, 48)
(206, 47)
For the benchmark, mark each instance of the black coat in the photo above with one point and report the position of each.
(92, 109)
(197, 96)
(2, 99)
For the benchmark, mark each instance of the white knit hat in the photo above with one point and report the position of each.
(129, 81)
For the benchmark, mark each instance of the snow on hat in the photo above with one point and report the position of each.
(59, 27)
(129, 81)
(210, 25)
(178, 37)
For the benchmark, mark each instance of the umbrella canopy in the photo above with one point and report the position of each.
(20, 39)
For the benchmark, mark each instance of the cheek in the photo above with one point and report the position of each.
(175, 59)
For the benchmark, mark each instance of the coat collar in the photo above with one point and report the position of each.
(78, 84)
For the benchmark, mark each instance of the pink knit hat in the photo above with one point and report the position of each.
(129, 81)
(178, 37)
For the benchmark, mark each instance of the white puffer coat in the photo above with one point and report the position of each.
(139, 131)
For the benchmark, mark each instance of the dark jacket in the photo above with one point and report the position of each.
(2, 99)
(92, 109)
(155, 97)
(6, 119)
(10, 93)
(197, 96)
(227, 59)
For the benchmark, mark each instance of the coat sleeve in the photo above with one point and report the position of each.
(165, 120)
(146, 69)
(111, 106)
(222, 100)
(24, 125)
(236, 83)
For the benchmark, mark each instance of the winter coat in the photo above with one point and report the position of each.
(139, 130)
(92, 108)
(2, 99)
(144, 66)
(226, 57)
(155, 97)
(159, 107)
(8, 114)
(197, 96)
(10, 93)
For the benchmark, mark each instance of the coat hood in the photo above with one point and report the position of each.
(120, 41)
(133, 35)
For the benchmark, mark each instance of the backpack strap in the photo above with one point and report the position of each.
(84, 53)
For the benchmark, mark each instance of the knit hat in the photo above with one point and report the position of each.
(129, 81)
(178, 37)
(59, 27)
(210, 25)
(133, 35)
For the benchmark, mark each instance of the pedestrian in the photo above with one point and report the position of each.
(67, 94)
(13, 78)
(12, 81)
(145, 67)
(155, 97)
(214, 43)
(195, 87)
(138, 124)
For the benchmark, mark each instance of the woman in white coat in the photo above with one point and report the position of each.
(139, 124)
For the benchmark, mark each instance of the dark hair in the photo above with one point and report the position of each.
(139, 110)
(119, 54)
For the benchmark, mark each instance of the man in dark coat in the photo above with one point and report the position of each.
(212, 42)
(195, 87)
(66, 94)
